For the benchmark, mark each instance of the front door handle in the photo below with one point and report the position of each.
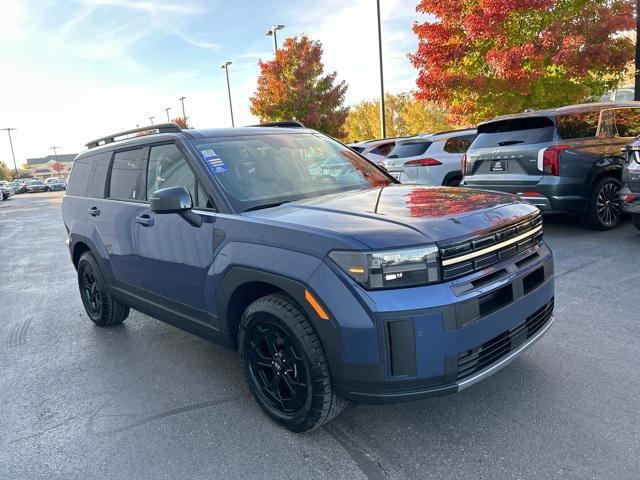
(94, 211)
(145, 220)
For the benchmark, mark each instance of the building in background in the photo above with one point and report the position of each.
(45, 167)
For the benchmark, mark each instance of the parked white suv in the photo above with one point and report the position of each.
(430, 159)
(374, 150)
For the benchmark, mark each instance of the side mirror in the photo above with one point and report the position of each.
(174, 200)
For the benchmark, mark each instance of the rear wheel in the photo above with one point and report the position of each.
(636, 220)
(603, 210)
(454, 182)
(285, 365)
(102, 308)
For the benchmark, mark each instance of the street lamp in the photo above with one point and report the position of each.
(383, 126)
(151, 120)
(15, 165)
(167, 110)
(225, 65)
(184, 115)
(272, 33)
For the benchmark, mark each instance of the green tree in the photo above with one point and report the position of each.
(293, 86)
(4, 171)
(481, 58)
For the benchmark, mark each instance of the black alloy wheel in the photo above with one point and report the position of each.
(277, 368)
(91, 293)
(608, 206)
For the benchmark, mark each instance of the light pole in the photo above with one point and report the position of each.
(184, 115)
(151, 120)
(272, 33)
(167, 110)
(636, 95)
(15, 165)
(225, 65)
(383, 126)
(55, 155)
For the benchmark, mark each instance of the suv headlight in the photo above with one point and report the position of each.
(407, 267)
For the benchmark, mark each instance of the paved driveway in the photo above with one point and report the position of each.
(144, 400)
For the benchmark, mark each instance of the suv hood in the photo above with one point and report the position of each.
(402, 215)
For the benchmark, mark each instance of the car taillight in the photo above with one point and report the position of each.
(463, 164)
(551, 159)
(423, 162)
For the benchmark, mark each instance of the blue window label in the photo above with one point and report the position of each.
(213, 161)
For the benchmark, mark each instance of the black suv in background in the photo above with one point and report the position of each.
(565, 159)
(630, 193)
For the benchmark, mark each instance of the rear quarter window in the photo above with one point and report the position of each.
(514, 131)
(88, 176)
(410, 149)
(578, 125)
(458, 144)
(623, 122)
(80, 172)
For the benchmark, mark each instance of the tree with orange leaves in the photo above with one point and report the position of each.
(481, 58)
(293, 86)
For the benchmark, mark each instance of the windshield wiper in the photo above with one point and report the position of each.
(266, 205)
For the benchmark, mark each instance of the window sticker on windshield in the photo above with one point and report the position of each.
(213, 161)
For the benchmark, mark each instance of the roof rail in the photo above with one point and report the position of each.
(285, 124)
(159, 128)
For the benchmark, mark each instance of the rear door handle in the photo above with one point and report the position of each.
(94, 211)
(145, 220)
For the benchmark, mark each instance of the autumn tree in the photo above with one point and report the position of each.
(4, 171)
(293, 86)
(487, 57)
(181, 122)
(405, 115)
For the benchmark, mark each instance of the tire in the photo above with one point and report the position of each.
(454, 182)
(603, 210)
(101, 307)
(636, 220)
(285, 365)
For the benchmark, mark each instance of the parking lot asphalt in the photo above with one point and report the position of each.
(145, 400)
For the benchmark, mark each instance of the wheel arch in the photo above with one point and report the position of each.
(605, 167)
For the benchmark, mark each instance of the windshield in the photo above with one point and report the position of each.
(264, 170)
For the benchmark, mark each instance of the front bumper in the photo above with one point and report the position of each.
(630, 200)
(407, 344)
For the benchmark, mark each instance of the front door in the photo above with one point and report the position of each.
(173, 257)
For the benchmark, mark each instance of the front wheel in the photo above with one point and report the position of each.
(603, 210)
(285, 365)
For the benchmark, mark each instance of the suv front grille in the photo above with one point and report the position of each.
(463, 257)
(473, 361)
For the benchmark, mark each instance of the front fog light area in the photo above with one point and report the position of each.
(391, 269)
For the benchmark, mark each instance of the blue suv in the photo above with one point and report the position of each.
(334, 282)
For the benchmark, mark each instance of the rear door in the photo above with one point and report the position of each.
(506, 151)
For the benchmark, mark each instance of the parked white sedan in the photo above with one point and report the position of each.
(430, 159)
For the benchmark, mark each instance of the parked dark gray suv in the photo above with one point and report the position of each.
(630, 193)
(334, 281)
(565, 159)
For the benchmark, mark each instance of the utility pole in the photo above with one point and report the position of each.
(272, 33)
(383, 126)
(184, 115)
(15, 165)
(151, 120)
(636, 95)
(167, 110)
(55, 155)
(225, 65)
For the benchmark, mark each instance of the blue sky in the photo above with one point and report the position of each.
(77, 69)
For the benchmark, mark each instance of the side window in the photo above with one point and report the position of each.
(626, 122)
(168, 168)
(578, 125)
(98, 176)
(79, 177)
(128, 175)
(458, 144)
(383, 149)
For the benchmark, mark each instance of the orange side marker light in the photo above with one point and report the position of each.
(315, 305)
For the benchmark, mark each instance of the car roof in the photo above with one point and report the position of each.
(193, 135)
(551, 112)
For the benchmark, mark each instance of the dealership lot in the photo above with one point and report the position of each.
(145, 400)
